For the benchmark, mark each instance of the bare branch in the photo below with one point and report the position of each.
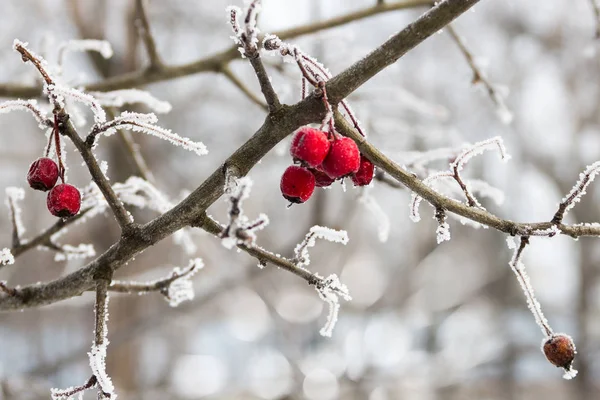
(226, 70)
(146, 34)
(214, 63)
(116, 206)
(596, 8)
(479, 77)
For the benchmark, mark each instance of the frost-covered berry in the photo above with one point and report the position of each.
(310, 145)
(43, 174)
(297, 184)
(321, 178)
(343, 158)
(364, 175)
(64, 200)
(560, 350)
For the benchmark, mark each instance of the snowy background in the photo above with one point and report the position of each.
(426, 321)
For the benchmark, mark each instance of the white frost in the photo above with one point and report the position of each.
(6, 257)
(329, 291)
(118, 98)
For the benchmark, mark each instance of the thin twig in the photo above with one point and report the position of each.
(146, 35)
(116, 206)
(214, 62)
(596, 8)
(226, 70)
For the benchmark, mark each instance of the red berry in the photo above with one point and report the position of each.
(343, 158)
(64, 200)
(560, 350)
(310, 145)
(321, 178)
(43, 174)
(364, 175)
(297, 184)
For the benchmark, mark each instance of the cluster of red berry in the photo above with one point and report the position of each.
(63, 200)
(322, 159)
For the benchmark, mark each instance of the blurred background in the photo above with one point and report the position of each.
(426, 321)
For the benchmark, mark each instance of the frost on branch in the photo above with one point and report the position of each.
(26, 105)
(62, 92)
(13, 196)
(144, 123)
(246, 37)
(519, 269)
(182, 289)
(416, 199)
(477, 149)
(577, 192)
(177, 287)
(97, 355)
(118, 98)
(99, 46)
(67, 252)
(443, 229)
(381, 218)
(6, 257)
(140, 193)
(301, 256)
(330, 289)
(240, 230)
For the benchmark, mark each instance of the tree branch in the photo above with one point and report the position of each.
(215, 62)
(277, 126)
(226, 70)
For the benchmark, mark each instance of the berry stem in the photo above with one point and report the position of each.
(61, 167)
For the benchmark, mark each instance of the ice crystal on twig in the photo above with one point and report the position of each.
(330, 289)
(577, 192)
(416, 199)
(79, 96)
(68, 252)
(239, 229)
(477, 149)
(519, 269)
(137, 122)
(301, 256)
(182, 288)
(26, 105)
(443, 229)
(6, 257)
(99, 46)
(118, 98)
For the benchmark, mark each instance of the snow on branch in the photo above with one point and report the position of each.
(301, 256)
(118, 98)
(577, 192)
(176, 288)
(330, 290)
(27, 105)
(97, 355)
(239, 229)
(137, 122)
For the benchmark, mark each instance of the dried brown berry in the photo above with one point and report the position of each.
(560, 351)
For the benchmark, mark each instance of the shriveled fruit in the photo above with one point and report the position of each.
(43, 174)
(64, 200)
